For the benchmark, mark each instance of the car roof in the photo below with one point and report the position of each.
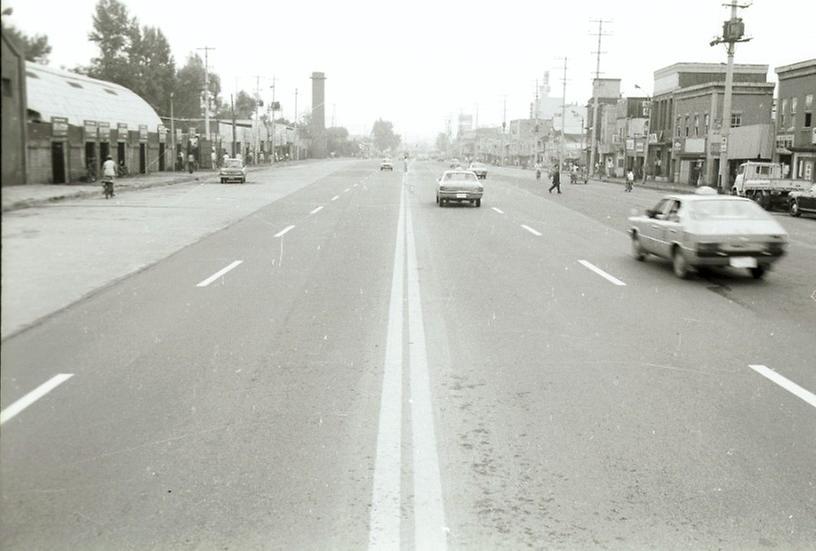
(460, 171)
(695, 197)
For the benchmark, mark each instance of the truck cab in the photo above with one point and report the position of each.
(763, 182)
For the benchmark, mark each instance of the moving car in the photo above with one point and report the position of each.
(479, 169)
(459, 186)
(455, 163)
(706, 229)
(802, 201)
(386, 164)
(233, 170)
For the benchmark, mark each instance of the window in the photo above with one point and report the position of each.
(794, 103)
(808, 101)
(7, 90)
(784, 106)
(736, 120)
(707, 120)
(782, 120)
(677, 127)
(687, 125)
(808, 119)
(111, 92)
(696, 125)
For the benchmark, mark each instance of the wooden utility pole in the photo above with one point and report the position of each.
(593, 147)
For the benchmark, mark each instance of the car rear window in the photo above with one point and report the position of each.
(234, 163)
(459, 176)
(726, 210)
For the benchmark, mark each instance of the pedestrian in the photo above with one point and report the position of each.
(108, 175)
(630, 180)
(556, 180)
(191, 162)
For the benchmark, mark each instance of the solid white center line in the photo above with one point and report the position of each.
(335, 198)
(787, 384)
(386, 511)
(315, 211)
(219, 273)
(601, 273)
(531, 230)
(284, 231)
(33, 396)
(500, 211)
(429, 511)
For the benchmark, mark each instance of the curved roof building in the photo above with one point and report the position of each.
(58, 93)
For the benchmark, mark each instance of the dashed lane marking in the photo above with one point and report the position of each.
(346, 190)
(785, 383)
(18, 406)
(335, 198)
(315, 211)
(500, 211)
(531, 230)
(606, 276)
(284, 231)
(219, 273)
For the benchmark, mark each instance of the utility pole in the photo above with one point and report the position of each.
(297, 145)
(733, 31)
(563, 118)
(647, 113)
(535, 146)
(206, 92)
(274, 153)
(504, 126)
(234, 139)
(172, 132)
(598, 52)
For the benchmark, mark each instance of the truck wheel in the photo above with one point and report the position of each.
(478, 203)
(765, 201)
(794, 208)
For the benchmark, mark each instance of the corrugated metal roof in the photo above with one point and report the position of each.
(57, 93)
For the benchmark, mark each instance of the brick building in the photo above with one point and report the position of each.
(14, 114)
(795, 126)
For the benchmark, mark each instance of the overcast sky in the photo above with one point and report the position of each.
(419, 62)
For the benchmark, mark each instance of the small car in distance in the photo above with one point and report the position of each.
(459, 186)
(455, 163)
(233, 170)
(386, 164)
(802, 201)
(479, 169)
(706, 230)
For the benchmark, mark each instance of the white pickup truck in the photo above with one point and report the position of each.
(763, 182)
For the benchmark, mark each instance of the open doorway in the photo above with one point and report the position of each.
(58, 162)
(161, 157)
(142, 158)
(121, 159)
(104, 151)
(91, 162)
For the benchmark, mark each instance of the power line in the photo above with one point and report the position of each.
(206, 91)
(593, 146)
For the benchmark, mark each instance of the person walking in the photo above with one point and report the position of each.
(191, 163)
(556, 180)
(630, 180)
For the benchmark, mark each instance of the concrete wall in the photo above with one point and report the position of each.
(14, 171)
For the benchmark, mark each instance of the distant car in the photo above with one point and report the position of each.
(706, 229)
(233, 170)
(459, 186)
(479, 169)
(802, 201)
(455, 163)
(386, 164)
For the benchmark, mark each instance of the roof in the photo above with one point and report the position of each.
(58, 93)
(805, 67)
(691, 67)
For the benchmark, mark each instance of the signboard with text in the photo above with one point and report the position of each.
(162, 130)
(142, 132)
(91, 130)
(104, 131)
(59, 127)
(122, 131)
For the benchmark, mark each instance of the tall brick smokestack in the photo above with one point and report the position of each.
(319, 144)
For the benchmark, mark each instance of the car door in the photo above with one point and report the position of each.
(672, 227)
(660, 227)
(807, 200)
(651, 230)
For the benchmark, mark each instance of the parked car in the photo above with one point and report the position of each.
(459, 186)
(706, 229)
(233, 170)
(386, 164)
(479, 169)
(455, 163)
(802, 201)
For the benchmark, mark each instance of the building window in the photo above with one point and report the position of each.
(782, 120)
(696, 125)
(794, 102)
(677, 127)
(706, 121)
(736, 120)
(784, 106)
(808, 101)
(7, 89)
(808, 119)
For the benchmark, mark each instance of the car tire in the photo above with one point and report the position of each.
(679, 264)
(637, 249)
(758, 272)
(794, 208)
(478, 203)
(222, 180)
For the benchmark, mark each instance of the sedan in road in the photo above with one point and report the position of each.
(705, 229)
(233, 170)
(479, 169)
(386, 164)
(802, 201)
(460, 186)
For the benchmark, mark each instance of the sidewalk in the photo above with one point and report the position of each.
(650, 184)
(36, 195)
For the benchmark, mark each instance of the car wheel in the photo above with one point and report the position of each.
(637, 248)
(765, 201)
(243, 180)
(478, 203)
(758, 272)
(679, 264)
(794, 208)
(222, 180)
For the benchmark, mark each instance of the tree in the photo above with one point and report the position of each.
(337, 140)
(117, 36)
(190, 85)
(383, 135)
(35, 48)
(151, 61)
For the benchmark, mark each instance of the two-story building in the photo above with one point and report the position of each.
(608, 93)
(795, 127)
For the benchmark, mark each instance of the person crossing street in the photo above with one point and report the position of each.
(556, 180)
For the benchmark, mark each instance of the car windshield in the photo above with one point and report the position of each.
(234, 163)
(460, 177)
(726, 210)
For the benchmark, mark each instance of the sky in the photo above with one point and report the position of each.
(419, 63)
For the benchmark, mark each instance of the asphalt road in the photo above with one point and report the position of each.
(352, 366)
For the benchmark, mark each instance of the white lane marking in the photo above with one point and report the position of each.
(355, 185)
(500, 211)
(346, 190)
(429, 509)
(787, 384)
(315, 211)
(335, 198)
(601, 273)
(531, 230)
(284, 231)
(11, 411)
(219, 273)
(386, 512)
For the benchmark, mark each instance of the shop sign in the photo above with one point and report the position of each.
(678, 146)
(104, 131)
(724, 145)
(813, 135)
(179, 134)
(142, 132)
(59, 127)
(784, 142)
(91, 130)
(122, 131)
(630, 144)
(162, 130)
(694, 145)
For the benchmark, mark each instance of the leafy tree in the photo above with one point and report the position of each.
(337, 140)
(35, 48)
(190, 85)
(117, 36)
(383, 135)
(151, 61)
